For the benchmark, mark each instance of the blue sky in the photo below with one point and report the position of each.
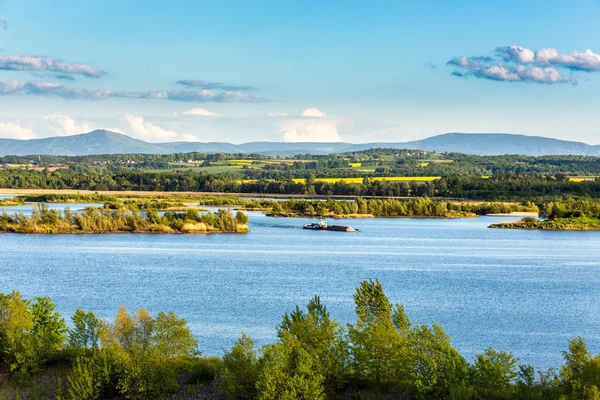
(298, 71)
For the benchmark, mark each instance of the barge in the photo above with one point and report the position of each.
(323, 226)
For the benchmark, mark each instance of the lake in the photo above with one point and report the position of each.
(525, 291)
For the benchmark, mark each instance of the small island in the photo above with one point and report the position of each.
(103, 220)
(571, 215)
(557, 224)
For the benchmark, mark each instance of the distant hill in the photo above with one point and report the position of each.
(106, 142)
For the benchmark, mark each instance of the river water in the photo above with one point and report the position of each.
(525, 291)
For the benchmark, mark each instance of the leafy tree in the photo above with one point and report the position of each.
(321, 336)
(492, 374)
(171, 337)
(240, 370)
(379, 349)
(85, 332)
(580, 375)
(30, 332)
(438, 371)
(289, 372)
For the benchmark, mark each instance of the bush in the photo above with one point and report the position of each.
(206, 369)
(30, 332)
(529, 220)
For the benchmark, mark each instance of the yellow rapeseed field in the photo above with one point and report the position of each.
(359, 180)
(378, 178)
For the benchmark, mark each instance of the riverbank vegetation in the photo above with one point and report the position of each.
(11, 202)
(417, 207)
(105, 220)
(574, 214)
(356, 208)
(382, 354)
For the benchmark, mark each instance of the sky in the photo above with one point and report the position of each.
(353, 71)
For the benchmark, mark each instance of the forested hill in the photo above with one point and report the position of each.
(106, 142)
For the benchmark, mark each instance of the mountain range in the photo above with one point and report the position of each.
(106, 142)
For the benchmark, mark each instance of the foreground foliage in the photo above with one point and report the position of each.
(381, 353)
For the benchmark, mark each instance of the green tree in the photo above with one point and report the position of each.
(492, 374)
(379, 349)
(30, 331)
(289, 372)
(580, 375)
(321, 336)
(437, 371)
(85, 332)
(240, 370)
(172, 338)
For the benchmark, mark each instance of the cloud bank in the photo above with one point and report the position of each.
(577, 61)
(3, 24)
(66, 126)
(312, 112)
(312, 126)
(203, 112)
(47, 64)
(147, 131)
(11, 130)
(519, 64)
(36, 88)
(199, 84)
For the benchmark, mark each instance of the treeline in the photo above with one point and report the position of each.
(417, 207)
(382, 354)
(384, 161)
(137, 157)
(496, 187)
(104, 220)
(413, 207)
(573, 208)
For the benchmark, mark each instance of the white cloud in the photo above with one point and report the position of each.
(311, 125)
(35, 88)
(296, 130)
(519, 64)
(312, 112)
(11, 130)
(147, 131)
(575, 60)
(517, 54)
(482, 67)
(115, 130)
(64, 125)
(277, 114)
(35, 63)
(198, 111)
